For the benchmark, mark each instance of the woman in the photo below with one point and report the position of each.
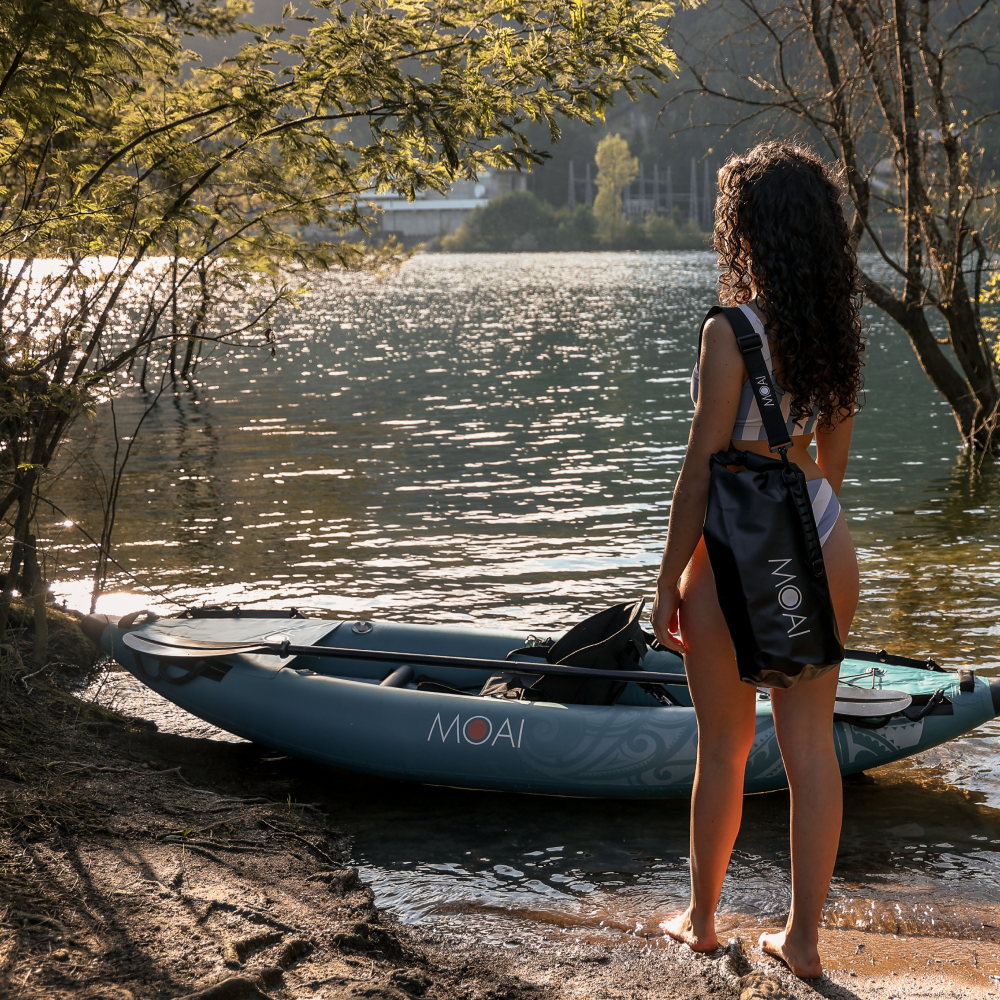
(786, 260)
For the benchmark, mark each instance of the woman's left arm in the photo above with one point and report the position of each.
(833, 448)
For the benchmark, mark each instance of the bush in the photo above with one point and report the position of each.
(576, 229)
(514, 221)
(664, 233)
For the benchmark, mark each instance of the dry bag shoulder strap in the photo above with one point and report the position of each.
(749, 343)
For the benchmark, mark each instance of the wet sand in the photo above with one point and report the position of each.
(584, 962)
(885, 967)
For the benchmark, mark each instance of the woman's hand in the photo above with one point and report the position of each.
(665, 618)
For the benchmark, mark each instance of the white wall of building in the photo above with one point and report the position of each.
(433, 214)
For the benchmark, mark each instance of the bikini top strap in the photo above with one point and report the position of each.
(750, 345)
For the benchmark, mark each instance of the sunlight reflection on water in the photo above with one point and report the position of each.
(495, 438)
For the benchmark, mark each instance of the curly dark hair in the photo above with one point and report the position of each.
(780, 233)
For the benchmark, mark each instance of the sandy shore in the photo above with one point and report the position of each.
(155, 881)
(136, 864)
(578, 962)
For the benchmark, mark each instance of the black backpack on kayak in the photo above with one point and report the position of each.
(610, 640)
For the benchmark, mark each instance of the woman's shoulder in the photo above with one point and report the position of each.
(717, 335)
(718, 344)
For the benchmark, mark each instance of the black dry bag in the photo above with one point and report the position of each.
(762, 541)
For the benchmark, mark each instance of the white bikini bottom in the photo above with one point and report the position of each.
(825, 505)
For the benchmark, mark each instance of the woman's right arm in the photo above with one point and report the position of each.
(721, 377)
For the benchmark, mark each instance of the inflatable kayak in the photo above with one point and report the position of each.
(264, 676)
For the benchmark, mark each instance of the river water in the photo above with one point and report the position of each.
(494, 439)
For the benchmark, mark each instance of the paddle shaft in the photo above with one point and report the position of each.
(151, 646)
(474, 663)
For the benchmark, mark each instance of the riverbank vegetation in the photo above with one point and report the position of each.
(520, 221)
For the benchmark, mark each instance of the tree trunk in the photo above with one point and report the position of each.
(27, 489)
(34, 586)
(932, 359)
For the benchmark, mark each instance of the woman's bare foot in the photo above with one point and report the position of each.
(803, 960)
(681, 928)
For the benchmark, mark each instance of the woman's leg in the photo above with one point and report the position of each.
(726, 712)
(803, 720)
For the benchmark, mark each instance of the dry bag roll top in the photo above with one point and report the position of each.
(762, 541)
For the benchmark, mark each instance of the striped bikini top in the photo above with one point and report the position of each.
(749, 426)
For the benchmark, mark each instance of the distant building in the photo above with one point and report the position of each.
(433, 214)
